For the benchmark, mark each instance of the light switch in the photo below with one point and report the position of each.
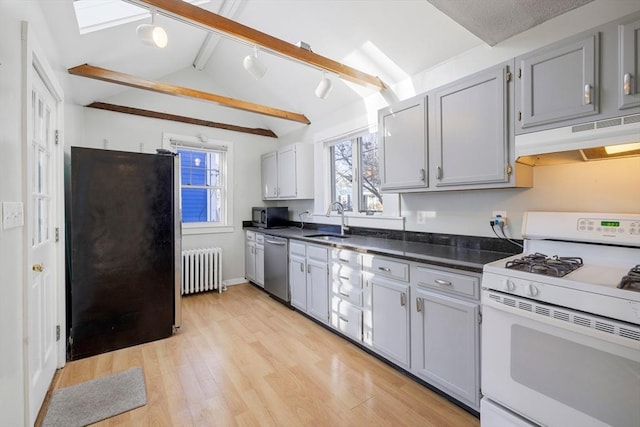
(12, 215)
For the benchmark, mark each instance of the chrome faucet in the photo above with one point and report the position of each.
(340, 209)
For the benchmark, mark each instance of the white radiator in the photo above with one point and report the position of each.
(201, 270)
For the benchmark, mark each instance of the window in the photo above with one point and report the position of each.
(202, 185)
(355, 173)
(205, 176)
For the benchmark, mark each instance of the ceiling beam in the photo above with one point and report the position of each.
(182, 119)
(211, 21)
(110, 76)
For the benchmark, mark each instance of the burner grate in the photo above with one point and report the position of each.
(538, 263)
(632, 280)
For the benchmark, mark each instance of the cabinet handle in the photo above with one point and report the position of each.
(423, 175)
(344, 277)
(302, 268)
(626, 83)
(385, 269)
(343, 260)
(587, 94)
(439, 172)
(343, 319)
(403, 299)
(442, 282)
(418, 305)
(343, 294)
(308, 269)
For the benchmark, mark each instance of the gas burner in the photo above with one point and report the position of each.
(538, 263)
(632, 280)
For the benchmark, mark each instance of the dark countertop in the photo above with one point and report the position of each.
(450, 256)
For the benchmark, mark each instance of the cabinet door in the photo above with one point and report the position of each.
(287, 184)
(558, 83)
(318, 290)
(269, 164)
(472, 130)
(250, 261)
(448, 354)
(629, 48)
(403, 145)
(259, 265)
(298, 282)
(390, 320)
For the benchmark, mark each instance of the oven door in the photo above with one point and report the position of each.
(558, 367)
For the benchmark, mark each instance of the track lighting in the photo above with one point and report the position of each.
(324, 87)
(253, 65)
(152, 34)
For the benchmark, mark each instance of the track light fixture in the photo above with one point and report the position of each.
(324, 87)
(152, 34)
(253, 65)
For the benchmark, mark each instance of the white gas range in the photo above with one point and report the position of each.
(561, 324)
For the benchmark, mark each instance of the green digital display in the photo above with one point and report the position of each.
(610, 223)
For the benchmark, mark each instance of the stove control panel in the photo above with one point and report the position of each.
(612, 227)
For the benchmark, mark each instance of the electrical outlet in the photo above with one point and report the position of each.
(499, 217)
(421, 217)
(12, 215)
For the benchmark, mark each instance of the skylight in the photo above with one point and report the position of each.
(95, 15)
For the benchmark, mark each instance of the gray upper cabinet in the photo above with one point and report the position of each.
(629, 63)
(558, 83)
(471, 141)
(403, 130)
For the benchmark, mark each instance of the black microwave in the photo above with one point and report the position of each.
(269, 217)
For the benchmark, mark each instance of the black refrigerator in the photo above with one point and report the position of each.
(124, 249)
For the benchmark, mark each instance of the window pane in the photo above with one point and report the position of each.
(194, 204)
(342, 174)
(202, 191)
(370, 196)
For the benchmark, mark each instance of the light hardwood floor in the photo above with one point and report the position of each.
(244, 359)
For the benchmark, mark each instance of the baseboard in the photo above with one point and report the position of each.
(232, 282)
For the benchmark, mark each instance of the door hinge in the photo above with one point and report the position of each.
(57, 137)
(70, 340)
(509, 169)
(508, 76)
(57, 234)
(57, 333)
(479, 318)
(519, 73)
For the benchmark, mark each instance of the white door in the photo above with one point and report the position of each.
(42, 288)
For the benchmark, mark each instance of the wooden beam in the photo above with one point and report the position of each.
(201, 17)
(110, 76)
(181, 119)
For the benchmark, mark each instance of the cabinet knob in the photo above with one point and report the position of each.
(587, 94)
(403, 299)
(626, 83)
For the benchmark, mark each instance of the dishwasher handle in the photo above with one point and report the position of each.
(276, 242)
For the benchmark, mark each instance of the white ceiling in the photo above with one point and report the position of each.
(392, 39)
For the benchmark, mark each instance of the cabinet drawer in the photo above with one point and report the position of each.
(259, 238)
(320, 253)
(394, 269)
(445, 281)
(296, 248)
(346, 257)
(347, 275)
(347, 292)
(346, 318)
(251, 236)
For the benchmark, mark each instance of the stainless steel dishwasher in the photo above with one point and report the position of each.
(276, 268)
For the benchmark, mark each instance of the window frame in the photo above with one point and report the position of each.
(201, 143)
(357, 192)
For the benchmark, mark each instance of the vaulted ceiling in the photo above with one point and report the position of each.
(391, 39)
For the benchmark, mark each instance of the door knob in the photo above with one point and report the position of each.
(38, 267)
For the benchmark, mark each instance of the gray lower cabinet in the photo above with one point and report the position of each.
(445, 331)
(472, 140)
(629, 63)
(558, 83)
(309, 279)
(254, 258)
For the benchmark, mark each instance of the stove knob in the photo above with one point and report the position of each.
(509, 285)
(533, 290)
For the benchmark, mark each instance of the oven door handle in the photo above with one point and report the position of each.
(488, 301)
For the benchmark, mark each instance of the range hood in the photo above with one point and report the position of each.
(603, 139)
